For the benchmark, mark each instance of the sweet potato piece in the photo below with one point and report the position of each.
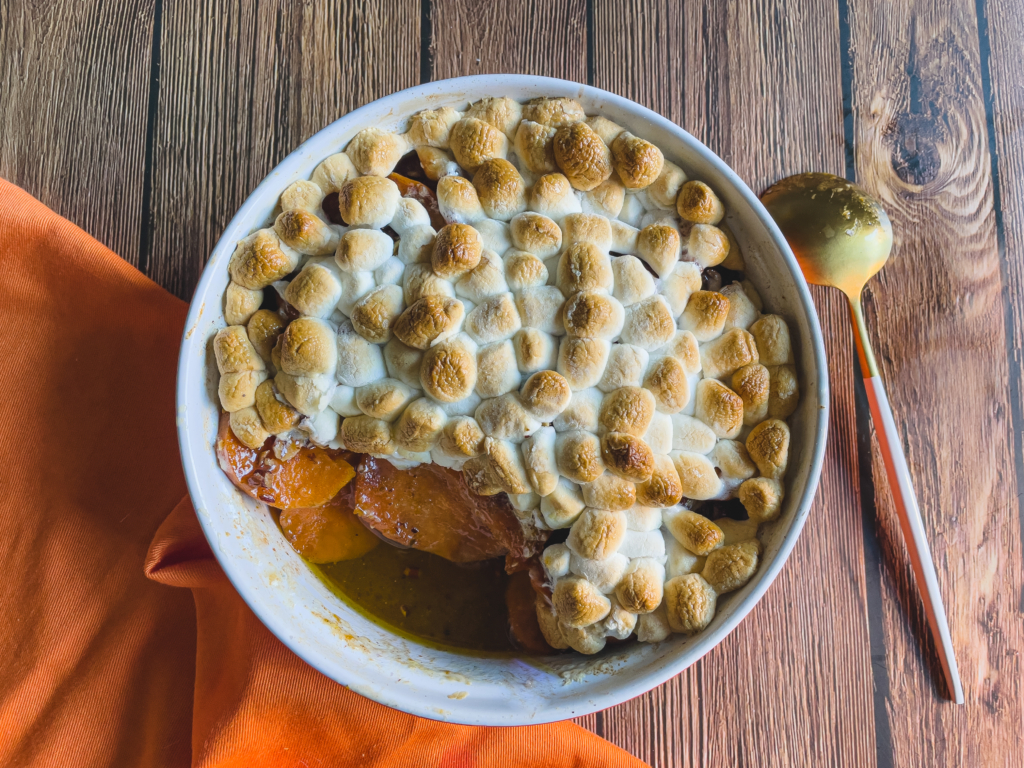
(520, 599)
(328, 534)
(310, 478)
(430, 508)
(422, 194)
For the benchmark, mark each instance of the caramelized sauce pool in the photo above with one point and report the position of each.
(423, 595)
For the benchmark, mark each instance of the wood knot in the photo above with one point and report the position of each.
(915, 148)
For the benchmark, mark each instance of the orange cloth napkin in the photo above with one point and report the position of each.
(98, 664)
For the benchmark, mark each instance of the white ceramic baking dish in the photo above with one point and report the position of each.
(366, 657)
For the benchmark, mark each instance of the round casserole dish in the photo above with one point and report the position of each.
(398, 672)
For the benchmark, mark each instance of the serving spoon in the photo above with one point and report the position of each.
(842, 237)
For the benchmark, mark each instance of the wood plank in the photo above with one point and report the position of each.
(241, 85)
(74, 85)
(761, 85)
(542, 37)
(937, 316)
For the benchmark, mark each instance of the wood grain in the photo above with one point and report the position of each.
(542, 37)
(241, 85)
(937, 316)
(74, 86)
(719, 70)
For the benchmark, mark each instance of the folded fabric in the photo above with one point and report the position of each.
(98, 665)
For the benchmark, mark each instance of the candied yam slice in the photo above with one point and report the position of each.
(521, 602)
(430, 508)
(328, 534)
(236, 460)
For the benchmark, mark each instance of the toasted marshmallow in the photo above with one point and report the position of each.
(534, 146)
(473, 142)
(402, 362)
(733, 463)
(309, 395)
(649, 324)
(368, 201)
(633, 282)
(659, 245)
(495, 319)
(619, 623)
(457, 250)
(343, 401)
(719, 407)
(582, 361)
(592, 315)
(627, 456)
(664, 191)
(641, 588)
(306, 233)
(238, 390)
(309, 347)
(507, 465)
(695, 532)
(563, 506)
(497, 372)
(679, 560)
(365, 434)
(429, 320)
(333, 172)
(637, 544)
(704, 244)
(762, 498)
(540, 307)
(752, 384)
(539, 461)
(458, 201)
(461, 438)
(362, 250)
(582, 156)
(728, 353)
(549, 626)
(667, 380)
(582, 412)
(578, 456)
(597, 534)
(697, 476)
(480, 476)
(419, 427)
(742, 312)
(359, 361)
(784, 394)
(684, 347)
(316, 290)
(500, 188)
(536, 234)
(732, 566)
(277, 416)
(555, 112)
(375, 152)
(448, 372)
(437, 163)
(626, 367)
(419, 281)
(354, 286)
(587, 228)
(653, 627)
(690, 603)
(637, 162)
(546, 394)
(248, 428)
(773, 343)
(535, 350)
(627, 409)
(679, 285)
(605, 199)
(384, 399)
(240, 304)
(524, 270)
(432, 127)
(552, 195)
(705, 315)
(234, 352)
(699, 204)
(603, 574)
(303, 196)
(484, 281)
(579, 603)
(663, 488)
(768, 446)
(505, 418)
(609, 492)
(555, 560)
(263, 330)
(260, 259)
(500, 112)
(375, 314)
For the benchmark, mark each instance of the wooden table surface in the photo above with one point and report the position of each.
(148, 123)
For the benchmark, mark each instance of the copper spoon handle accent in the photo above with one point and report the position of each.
(905, 499)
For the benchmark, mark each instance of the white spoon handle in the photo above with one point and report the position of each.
(913, 531)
